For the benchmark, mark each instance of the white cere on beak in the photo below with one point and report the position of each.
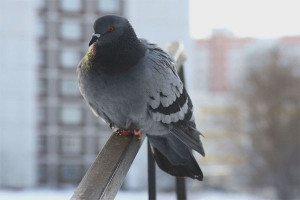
(96, 35)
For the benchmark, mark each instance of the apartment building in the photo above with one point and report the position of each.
(69, 136)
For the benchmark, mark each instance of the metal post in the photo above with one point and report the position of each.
(180, 182)
(151, 175)
(176, 50)
(180, 188)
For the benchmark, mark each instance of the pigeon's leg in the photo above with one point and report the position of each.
(111, 125)
(124, 132)
(138, 133)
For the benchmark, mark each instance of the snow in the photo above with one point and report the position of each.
(48, 194)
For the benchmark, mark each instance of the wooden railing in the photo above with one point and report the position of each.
(106, 175)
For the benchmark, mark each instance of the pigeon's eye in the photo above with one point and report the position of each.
(110, 29)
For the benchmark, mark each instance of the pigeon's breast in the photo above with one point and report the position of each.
(121, 98)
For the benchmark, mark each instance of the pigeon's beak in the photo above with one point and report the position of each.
(95, 37)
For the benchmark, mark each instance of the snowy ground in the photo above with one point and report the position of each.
(46, 194)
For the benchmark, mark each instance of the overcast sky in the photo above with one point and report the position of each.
(254, 18)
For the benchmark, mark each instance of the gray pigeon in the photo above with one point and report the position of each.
(134, 87)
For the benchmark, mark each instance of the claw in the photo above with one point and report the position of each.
(118, 132)
(138, 133)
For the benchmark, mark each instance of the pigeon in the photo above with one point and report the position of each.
(134, 87)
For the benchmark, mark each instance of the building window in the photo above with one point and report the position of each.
(42, 144)
(42, 173)
(71, 115)
(109, 6)
(70, 173)
(71, 144)
(42, 86)
(41, 58)
(71, 30)
(69, 87)
(70, 58)
(70, 5)
(42, 115)
(40, 4)
(41, 29)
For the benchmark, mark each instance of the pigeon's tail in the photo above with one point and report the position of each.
(173, 154)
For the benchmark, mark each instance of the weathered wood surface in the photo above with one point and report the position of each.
(106, 175)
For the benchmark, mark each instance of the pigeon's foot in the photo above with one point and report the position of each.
(124, 132)
(138, 133)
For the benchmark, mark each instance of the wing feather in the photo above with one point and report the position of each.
(168, 102)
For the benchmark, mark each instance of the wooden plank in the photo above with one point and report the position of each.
(106, 175)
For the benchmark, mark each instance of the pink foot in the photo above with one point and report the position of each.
(124, 132)
(138, 133)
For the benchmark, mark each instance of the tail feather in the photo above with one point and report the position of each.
(174, 157)
(190, 137)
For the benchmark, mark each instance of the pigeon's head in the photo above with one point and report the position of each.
(114, 47)
(109, 28)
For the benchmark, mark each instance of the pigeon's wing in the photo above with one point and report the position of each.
(168, 100)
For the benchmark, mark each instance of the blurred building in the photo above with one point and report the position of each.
(18, 94)
(69, 136)
(290, 47)
(220, 63)
(219, 60)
